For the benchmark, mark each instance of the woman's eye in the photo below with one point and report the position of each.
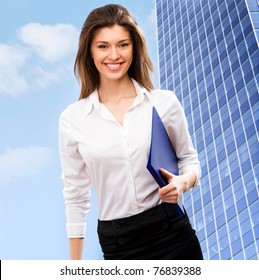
(102, 46)
(124, 45)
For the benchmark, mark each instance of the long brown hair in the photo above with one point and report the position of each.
(107, 16)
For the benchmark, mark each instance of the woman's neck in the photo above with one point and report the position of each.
(114, 91)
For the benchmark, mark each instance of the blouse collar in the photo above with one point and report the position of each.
(92, 101)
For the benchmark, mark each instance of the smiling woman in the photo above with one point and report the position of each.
(105, 141)
(34, 87)
(85, 67)
(112, 52)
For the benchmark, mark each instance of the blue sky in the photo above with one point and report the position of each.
(38, 42)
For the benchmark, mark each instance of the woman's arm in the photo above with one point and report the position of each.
(77, 184)
(76, 248)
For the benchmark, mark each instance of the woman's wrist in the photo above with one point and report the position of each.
(189, 179)
(76, 248)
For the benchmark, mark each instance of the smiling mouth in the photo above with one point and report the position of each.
(113, 66)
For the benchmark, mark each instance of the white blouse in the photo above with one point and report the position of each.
(96, 150)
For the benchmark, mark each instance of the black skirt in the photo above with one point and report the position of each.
(159, 233)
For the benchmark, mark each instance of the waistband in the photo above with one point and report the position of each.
(160, 211)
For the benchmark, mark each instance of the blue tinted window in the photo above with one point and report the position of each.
(236, 246)
(239, 256)
(250, 251)
(231, 213)
(225, 254)
(220, 220)
(248, 238)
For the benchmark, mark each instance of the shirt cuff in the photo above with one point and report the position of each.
(195, 169)
(76, 230)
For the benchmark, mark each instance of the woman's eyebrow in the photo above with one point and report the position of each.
(105, 42)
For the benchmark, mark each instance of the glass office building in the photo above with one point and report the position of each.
(209, 56)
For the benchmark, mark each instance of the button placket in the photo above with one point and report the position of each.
(127, 158)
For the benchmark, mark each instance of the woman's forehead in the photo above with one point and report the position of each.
(113, 33)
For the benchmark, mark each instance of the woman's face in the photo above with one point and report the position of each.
(112, 52)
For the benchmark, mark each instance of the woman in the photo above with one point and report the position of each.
(105, 141)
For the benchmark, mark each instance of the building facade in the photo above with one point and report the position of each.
(209, 56)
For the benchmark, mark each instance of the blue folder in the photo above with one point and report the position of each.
(162, 153)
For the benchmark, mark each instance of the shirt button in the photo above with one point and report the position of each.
(121, 240)
(164, 225)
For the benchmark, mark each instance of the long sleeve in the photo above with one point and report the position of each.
(181, 139)
(76, 180)
(174, 119)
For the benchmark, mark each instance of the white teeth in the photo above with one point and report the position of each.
(114, 66)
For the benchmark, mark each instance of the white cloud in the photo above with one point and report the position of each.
(44, 77)
(51, 42)
(42, 56)
(20, 163)
(12, 60)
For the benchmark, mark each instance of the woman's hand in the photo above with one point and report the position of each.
(177, 185)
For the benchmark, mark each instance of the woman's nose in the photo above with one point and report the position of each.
(114, 54)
